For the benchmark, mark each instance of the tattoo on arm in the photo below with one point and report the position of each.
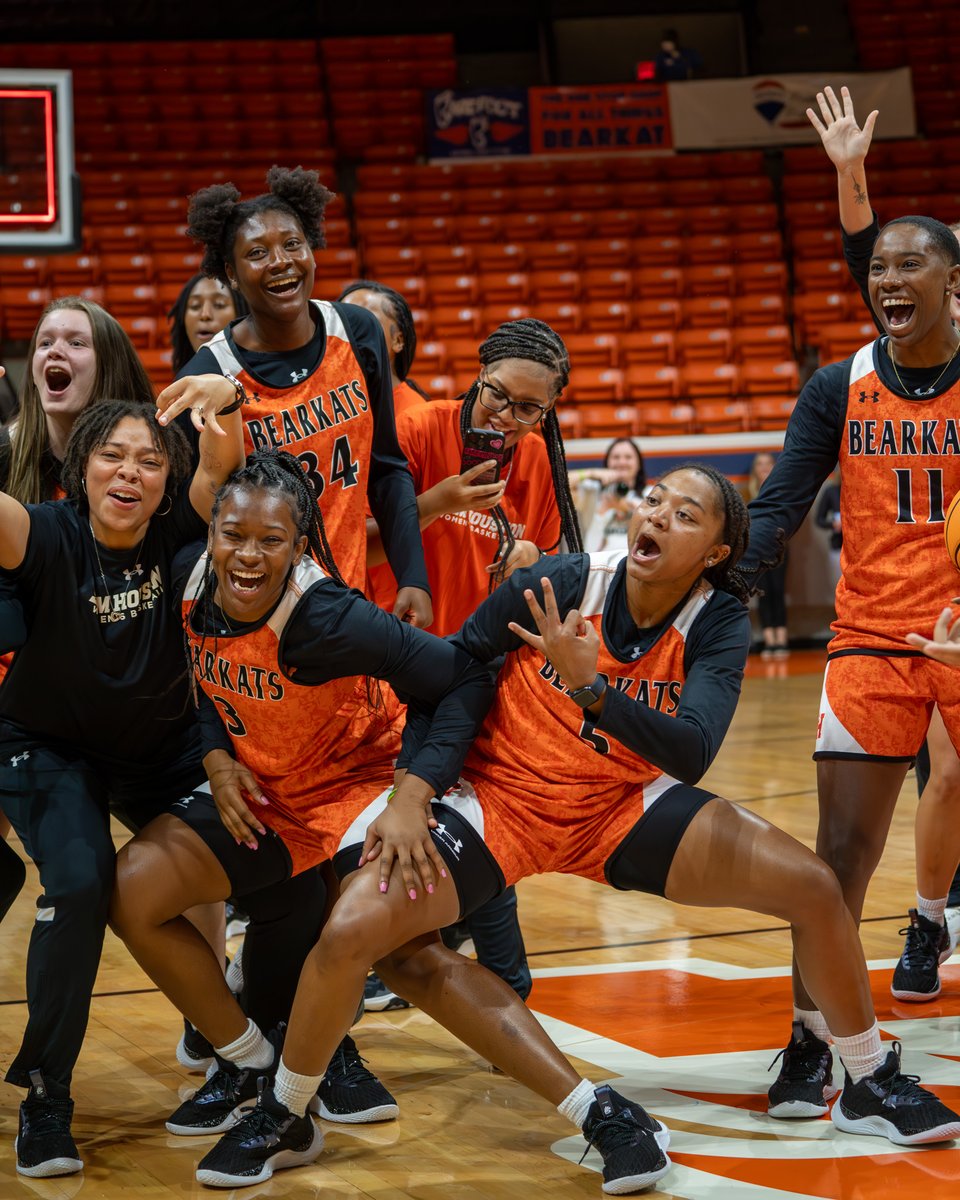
(859, 195)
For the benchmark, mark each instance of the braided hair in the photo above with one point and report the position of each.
(216, 213)
(726, 575)
(400, 313)
(278, 471)
(532, 341)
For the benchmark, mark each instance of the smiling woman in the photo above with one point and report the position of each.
(318, 374)
(95, 577)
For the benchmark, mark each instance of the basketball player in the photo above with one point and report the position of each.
(117, 731)
(476, 532)
(932, 932)
(888, 415)
(317, 374)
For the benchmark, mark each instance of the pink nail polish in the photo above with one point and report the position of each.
(413, 894)
(360, 863)
(383, 886)
(429, 889)
(443, 873)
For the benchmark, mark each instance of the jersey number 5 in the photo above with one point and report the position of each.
(905, 510)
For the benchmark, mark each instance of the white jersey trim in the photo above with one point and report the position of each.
(302, 577)
(862, 364)
(230, 364)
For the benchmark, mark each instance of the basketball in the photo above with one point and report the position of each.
(951, 531)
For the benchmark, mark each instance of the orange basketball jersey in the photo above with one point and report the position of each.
(538, 820)
(405, 397)
(326, 421)
(319, 753)
(900, 467)
(459, 546)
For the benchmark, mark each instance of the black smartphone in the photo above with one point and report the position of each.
(620, 488)
(484, 445)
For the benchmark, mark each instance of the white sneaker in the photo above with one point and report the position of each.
(951, 917)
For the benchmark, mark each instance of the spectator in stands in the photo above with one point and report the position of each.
(608, 496)
(938, 764)
(772, 603)
(674, 61)
(201, 310)
(396, 321)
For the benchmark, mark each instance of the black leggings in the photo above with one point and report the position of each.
(13, 875)
(772, 603)
(59, 803)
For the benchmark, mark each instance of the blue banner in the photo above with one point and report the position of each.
(477, 122)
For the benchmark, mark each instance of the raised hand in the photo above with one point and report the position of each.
(845, 142)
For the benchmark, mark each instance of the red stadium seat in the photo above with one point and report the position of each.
(663, 419)
(477, 227)
(836, 341)
(413, 288)
(592, 350)
(658, 283)
(132, 300)
(570, 420)
(821, 274)
(608, 284)
(646, 349)
(496, 314)
(710, 281)
(142, 331)
(767, 378)
(26, 272)
(644, 383)
(564, 318)
(553, 256)
(455, 322)
(704, 345)
(450, 259)
(171, 268)
(159, 366)
(504, 287)
(709, 380)
(431, 358)
(707, 312)
(440, 387)
(722, 416)
(499, 256)
(814, 309)
(608, 253)
(20, 310)
(555, 285)
(610, 420)
(70, 272)
(653, 316)
(761, 341)
(394, 260)
(607, 316)
(759, 310)
(757, 247)
(771, 412)
(337, 263)
(596, 385)
(708, 249)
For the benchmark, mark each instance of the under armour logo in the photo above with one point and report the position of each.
(19, 758)
(299, 376)
(453, 843)
(874, 397)
(636, 652)
(130, 572)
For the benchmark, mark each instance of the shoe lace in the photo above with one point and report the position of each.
(256, 1123)
(619, 1130)
(900, 1086)
(222, 1080)
(50, 1117)
(920, 951)
(801, 1062)
(349, 1067)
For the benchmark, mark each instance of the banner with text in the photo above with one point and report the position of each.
(765, 110)
(596, 119)
(477, 122)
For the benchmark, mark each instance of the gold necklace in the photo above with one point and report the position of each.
(933, 386)
(129, 572)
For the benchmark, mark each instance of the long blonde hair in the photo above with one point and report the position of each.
(119, 376)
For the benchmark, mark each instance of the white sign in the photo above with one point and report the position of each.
(771, 110)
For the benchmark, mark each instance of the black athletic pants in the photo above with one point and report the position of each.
(59, 803)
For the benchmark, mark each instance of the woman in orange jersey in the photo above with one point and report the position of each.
(316, 374)
(569, 773)
(475, 533)
(396, 321)
(279, 681)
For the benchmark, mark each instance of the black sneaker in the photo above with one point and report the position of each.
(269, 1138)
(805, 1083)
(892, 1105)
(218, 1105)
(193, 1050)
(377, 997)
(351, 1094)
(630, 1141)
(916, 976)
(44, 1143)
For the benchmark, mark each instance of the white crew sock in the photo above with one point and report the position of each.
(250, 1049)
(931, 909)
(235, 972)
(862, 1053)
(576, 1106)
(295, 1091)
(813, 1019)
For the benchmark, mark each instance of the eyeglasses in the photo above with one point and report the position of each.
(524, 411)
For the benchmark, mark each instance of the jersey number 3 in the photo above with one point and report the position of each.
(906, 514)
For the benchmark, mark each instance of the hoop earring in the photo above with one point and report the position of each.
(169, 507)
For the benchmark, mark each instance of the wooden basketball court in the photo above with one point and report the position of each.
(684, 1008)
